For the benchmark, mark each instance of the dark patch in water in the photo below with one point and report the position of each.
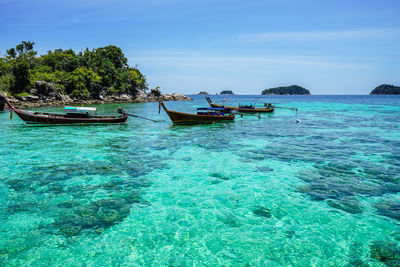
(230, 220)
(358, 263)
(265, 169)
(348, 204)
(125, 174)
(385, 251)
(262, 212)
(95, 216)
(389, 209)
(321, 191)
(342, 183)
(290, 233)
(55, 188)
(22, 206)
(18, 184)
(68, 204)
(219, 176)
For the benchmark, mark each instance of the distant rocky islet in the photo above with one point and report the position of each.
(286, 90)
(386, 89)
(226, 92)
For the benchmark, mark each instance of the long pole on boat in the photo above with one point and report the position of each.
(10, 105)
(247, 114)
(286, 108)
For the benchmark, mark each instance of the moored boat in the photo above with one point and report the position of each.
(73, 115)
(204, 115)
(242, 108)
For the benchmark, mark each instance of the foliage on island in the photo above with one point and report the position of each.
(203, 93)
(386, 89)
(286, 90)
(82, 75)
(226, 92)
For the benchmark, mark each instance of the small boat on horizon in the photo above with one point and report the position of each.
(242, 108)
(73, 115)
(204, 115)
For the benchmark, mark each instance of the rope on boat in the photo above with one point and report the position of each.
(121, 111)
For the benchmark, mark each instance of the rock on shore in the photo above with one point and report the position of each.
(2, 102)
(44, 94)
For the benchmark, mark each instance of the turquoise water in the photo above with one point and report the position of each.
(254, 192)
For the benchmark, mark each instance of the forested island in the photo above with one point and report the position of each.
(202, 93)
(286, 90)
(386, 89)
(226, 92)
(100, 75)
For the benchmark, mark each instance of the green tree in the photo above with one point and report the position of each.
(81, 75)
(28, 46)
(20, 70)
(11, 52)
(83, 83)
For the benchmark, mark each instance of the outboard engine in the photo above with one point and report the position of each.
(120, 110)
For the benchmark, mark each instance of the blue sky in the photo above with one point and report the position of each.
(327, 46)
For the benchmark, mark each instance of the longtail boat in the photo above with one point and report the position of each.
(204, 115)
(242, 108)
(73, 115)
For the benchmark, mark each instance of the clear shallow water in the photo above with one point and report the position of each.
(254, 192)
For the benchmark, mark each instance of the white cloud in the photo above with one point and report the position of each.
(221, 62)
(316, 35)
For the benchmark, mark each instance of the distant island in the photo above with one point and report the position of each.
(203, 93)
(286, 90)
(386, 89)
(226, 92)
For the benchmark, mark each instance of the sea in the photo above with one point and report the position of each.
(314, 187)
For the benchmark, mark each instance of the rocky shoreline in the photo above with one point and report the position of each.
(42, 95)
(2, 102)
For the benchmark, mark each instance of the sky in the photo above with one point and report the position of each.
(327, 46)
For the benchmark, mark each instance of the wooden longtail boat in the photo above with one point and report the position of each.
(204, 115)
(248, 109)
(32, 117)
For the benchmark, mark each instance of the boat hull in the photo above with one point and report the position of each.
(246, 110)
(186, 118)
(57, 119)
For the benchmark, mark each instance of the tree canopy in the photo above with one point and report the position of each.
(81, 75)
